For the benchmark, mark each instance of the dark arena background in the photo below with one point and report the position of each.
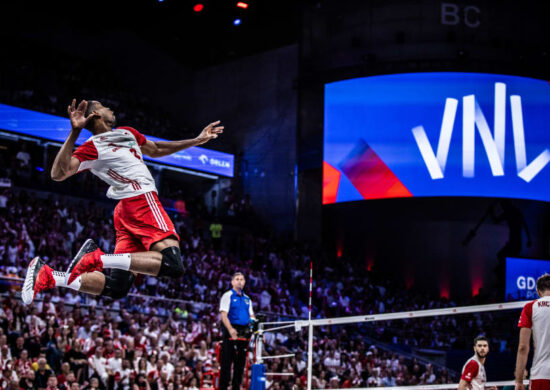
(381, 182)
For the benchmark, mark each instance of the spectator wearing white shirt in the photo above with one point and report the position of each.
(98, 365)
(332, 362)
(115, 363)
(85, 331)
(300, 362)
(265, 300)
(167, 367)
(374, 380)
(125, 374)
(153, 329)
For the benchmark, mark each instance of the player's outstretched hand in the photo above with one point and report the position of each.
(210, 132)
(77, 115)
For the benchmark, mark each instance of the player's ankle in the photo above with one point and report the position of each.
(119, 261)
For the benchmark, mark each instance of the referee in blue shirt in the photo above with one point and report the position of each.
(236, 312)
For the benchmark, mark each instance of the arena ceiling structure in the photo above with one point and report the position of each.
(198, 33)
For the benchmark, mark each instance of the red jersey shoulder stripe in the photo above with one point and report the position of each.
(140, 138)
(470, 371)
(86, 152)
(526, 317)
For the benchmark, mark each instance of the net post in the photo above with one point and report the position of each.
(309, 354)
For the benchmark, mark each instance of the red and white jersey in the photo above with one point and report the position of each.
(115, 157)
(536, 316)
(473, 372)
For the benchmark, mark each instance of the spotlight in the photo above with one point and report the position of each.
(242, 4)
(198, 7)
(236, 22)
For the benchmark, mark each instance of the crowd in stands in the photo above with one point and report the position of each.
(172, 342)
(164, 335)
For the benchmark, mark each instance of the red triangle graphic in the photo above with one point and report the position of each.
(371, 176)
(331, 182)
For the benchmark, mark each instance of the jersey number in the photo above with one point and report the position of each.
(135, 153)
(132, 150)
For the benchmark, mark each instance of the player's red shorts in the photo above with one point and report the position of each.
(539, 384)
(140, 222)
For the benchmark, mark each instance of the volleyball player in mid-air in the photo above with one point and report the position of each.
(146, 240)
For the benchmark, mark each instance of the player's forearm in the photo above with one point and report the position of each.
(62, 161)
(169, 147)
(463, 385)
(521, 362)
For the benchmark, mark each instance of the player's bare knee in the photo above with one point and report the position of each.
(171, 265)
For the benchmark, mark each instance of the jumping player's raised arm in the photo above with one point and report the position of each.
(164, 148)
(65, 164)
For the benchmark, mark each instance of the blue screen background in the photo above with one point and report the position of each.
(526, 268)
(382, 110)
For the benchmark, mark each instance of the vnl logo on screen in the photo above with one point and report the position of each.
(437, 134)
(522, 275)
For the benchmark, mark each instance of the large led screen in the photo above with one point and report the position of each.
(55, 128)
(436, 134)
(522, 275)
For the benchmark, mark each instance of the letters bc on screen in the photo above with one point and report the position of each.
(436, 134)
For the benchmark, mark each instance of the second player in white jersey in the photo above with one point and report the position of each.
(535, 321)
(473, 375)
(473, 372)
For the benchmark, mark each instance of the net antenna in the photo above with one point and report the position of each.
(310, 330)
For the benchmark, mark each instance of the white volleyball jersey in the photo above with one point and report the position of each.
(473, 372)
(115, 157)
(536, 316)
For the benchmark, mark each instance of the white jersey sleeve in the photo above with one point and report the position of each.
(225, 302)
(250, 308)
(86, 154)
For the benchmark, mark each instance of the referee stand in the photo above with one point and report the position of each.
(259, 374)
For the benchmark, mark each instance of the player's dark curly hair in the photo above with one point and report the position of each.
(543, 283)
(480, 338)
(90, 107)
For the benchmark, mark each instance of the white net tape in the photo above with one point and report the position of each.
(438, 387)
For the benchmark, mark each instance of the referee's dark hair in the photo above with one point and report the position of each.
(480, 338)
(237, 274)
(543, 283)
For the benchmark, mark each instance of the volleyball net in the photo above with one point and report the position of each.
(421, 349)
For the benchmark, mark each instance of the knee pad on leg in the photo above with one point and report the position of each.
(118, 284)
(171, 265)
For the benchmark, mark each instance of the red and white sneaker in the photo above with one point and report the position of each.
(39, 278)
(88, 259)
